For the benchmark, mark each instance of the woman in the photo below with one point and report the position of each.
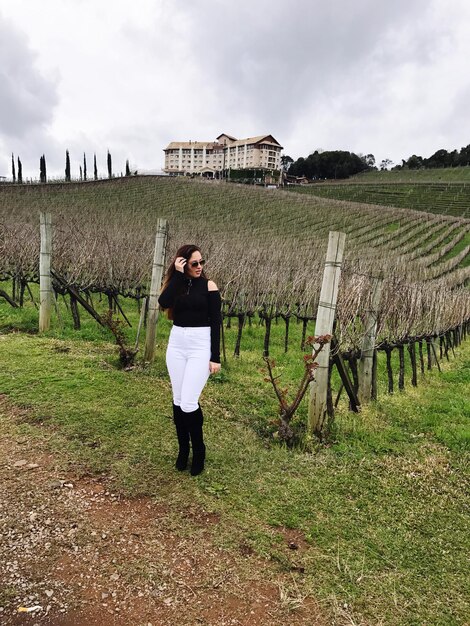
(193, 303)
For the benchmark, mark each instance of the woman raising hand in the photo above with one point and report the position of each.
(193, 303)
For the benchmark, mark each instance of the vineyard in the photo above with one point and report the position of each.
(265, 249)
(424, 175)
(447, 198)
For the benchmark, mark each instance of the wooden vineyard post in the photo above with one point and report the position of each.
(157, 274)
(143, 308)
(368, 344)
(45, 279)
(317, 410)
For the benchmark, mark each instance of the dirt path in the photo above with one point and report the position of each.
(87, 556)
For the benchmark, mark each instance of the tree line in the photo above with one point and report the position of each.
(329, 164)
(333, 164)
(441, 158)
(17, 168)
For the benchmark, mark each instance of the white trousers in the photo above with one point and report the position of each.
(187, 359)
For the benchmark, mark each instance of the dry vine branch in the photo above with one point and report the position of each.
(286, 410)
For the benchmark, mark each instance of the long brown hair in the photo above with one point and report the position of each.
(185, 251)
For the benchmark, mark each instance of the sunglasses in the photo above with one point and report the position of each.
(196, 263)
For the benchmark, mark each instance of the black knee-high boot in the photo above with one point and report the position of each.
(194, 421)
(183, 438)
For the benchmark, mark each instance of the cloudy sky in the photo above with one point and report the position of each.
(384, 77)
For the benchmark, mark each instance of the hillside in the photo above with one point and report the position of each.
(442, 190)
(445, 198)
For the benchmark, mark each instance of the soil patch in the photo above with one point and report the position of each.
(76, 553)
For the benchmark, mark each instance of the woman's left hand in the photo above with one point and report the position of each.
(214, 368)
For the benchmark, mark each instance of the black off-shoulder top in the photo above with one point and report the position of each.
(194, 305)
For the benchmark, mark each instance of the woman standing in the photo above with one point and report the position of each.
(193, 303)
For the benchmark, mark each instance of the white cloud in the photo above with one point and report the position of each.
(386, 78)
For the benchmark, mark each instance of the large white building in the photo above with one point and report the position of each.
(226, 152)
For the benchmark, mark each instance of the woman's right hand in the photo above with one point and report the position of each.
(180, 262)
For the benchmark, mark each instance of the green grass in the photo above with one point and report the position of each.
(382, 507)
(463, 243)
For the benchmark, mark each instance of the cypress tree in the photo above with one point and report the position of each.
(20, 171)
(128, 170)
(13, 172)
(84, 166)
(81, 173)
(44, 171)
(67, 166)
(41, 170)
(110, 166)
(95, 168)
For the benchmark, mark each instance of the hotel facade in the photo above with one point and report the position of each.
(212, 158)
